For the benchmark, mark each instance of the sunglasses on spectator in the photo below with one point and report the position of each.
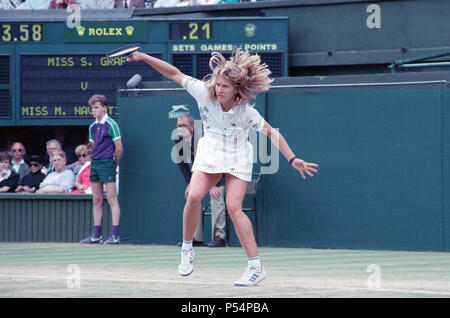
(84, 155)
(17, 150)
(34, 164)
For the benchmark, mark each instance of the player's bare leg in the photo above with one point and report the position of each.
(200, 184)
(236, 189)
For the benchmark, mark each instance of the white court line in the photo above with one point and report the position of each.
(113, 279)
(296, 293)
(349, 289)
(325, 289)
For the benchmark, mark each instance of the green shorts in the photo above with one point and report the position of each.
(103, 170)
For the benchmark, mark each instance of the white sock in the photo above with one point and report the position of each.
(255, 262)
(187, 245)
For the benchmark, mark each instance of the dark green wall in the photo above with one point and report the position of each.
(383, 155)
(48, 217)
(380, 183)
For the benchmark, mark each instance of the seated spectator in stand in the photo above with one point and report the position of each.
(10, 4)
(8, 178)
(185, 3)
(18, 163)
(59, 181)
(166, 3)
(82, 183)
(34, 5)
(206, 2)
(30, 183)
(52, 145)
(82, 152)
(97, 4)
(129, 4)
(62, 4)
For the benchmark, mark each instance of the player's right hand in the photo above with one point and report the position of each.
(134, 57)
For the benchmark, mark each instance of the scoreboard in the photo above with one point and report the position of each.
(48, 70)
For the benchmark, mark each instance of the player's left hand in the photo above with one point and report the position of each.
(305, 167)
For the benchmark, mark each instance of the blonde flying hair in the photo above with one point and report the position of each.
(245, 72)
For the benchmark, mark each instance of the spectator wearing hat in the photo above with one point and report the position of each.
(30, 183)
(8, 178)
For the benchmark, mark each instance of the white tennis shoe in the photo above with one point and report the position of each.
(252, 276)
(187, 262)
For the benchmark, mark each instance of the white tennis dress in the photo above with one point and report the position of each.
(224, 147)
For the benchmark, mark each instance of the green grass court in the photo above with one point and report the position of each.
(147, 271)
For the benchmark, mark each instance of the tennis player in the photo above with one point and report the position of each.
(223, 102)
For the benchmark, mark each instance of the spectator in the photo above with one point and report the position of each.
(59, 181)
(34, 5)
(206, 2)
(188, 139)
(62, 4)
(52, 146)
(82, 152)
(129, 4)
(30, 183)
(82, 183)
(97, 4)
(10, 4)
(184, 3)
(17, 163)
(8, 178)
(166, 3)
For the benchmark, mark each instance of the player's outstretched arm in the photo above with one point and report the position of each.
(298, 164)
(166, 69)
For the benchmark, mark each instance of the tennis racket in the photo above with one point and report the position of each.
(124, 50)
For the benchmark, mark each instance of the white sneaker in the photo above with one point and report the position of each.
(252, 277)
(187, 262)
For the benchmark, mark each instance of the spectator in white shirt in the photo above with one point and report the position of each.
(97, 4)
(10, 4)
(34, 5)
(166, 3)
(59, 181)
